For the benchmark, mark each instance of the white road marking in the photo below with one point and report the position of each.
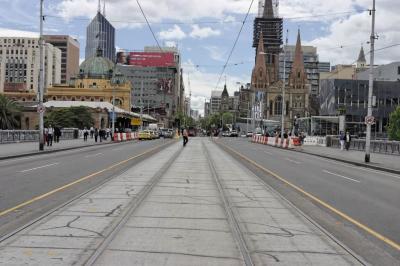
(342, 176)
(293, 161)
(93, 155)
(39, 167)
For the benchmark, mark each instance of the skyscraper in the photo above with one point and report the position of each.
(100, 34)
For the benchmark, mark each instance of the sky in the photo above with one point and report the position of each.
(205, 31)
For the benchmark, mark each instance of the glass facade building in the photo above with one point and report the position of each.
(100, 34)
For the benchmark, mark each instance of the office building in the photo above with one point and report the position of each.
(20, 65)
(69, 55)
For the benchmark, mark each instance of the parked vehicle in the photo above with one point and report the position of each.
(233, 133)
(145, 135)
(249, 134)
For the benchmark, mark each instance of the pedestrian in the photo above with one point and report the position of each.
(85, 134)
(342, 139)
(347, 140)
(96, 134)
(185, 137)
(102, 134)
(50, 134)
(45, 134)
(107, 133)
(57, 134)
(91, 132)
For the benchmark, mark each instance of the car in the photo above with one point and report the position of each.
(225, 133)
(145, 135)
(233, 133)
(154, 134)
(249, 134)
(166, 133)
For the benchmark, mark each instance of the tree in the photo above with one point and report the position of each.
(227, 118)
(394, 125)
(10, 112)
(72, 117)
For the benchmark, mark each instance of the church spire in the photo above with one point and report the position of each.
(297, 76)
(361, 56)
(259, 78)
(268, 9)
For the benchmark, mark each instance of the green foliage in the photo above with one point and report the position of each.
(73, 117)
(10, 113)
(394, 125)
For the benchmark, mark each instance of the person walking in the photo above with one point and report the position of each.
(342, 138)
(185, 137)
(85, 134)
(91, 132)
(46, 134)
(347, 140)
(50, 134)
(57, 134)
(96, 134)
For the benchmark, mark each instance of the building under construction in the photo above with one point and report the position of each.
(270, 25)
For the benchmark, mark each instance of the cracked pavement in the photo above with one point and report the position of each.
(182, 221)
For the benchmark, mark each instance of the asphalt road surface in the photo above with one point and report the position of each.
(43, 182)
(368, 196)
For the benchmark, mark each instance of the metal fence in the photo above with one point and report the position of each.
(377, 146)
(13, 136)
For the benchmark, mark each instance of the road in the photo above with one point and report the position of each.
(24, 179)
(368, 196)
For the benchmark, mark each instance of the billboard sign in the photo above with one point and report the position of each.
(151, 59)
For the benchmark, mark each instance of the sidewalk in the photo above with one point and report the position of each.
(28, 148)
(183, 220)
(384, 162)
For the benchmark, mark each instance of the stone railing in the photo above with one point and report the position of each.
(13, 136)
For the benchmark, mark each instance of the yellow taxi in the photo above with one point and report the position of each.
(145, 135)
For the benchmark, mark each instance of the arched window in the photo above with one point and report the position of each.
(278, 105)
(54, 98)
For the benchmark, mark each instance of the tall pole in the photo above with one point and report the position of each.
(41, 81)
(371, 85)
(247, 117)
(113, 112)
(141, 106)
(283, 88)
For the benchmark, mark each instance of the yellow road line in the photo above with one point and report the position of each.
(326, 205)
(19, 206)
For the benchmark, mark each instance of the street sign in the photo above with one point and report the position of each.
(136, 122)
(41, 109)
(369, 120)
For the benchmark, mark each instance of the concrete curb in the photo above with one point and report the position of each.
(52, 151)
(375, 167)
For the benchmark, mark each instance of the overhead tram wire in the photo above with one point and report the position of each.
(234, 44)
(148, 24)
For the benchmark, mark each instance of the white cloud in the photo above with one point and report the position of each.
(216, 53)
(171, 44)
(350, 32)
(202, 83)
(201, 33)
(175, 33)
(18, 33)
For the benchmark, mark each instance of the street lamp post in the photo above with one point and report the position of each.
(41, 81)
(371, 85)
(283, 89)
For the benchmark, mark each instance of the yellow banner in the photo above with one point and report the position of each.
(136, 122)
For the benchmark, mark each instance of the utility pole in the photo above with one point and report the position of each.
(141, 106)
(283, 88)
(371, 85)
(41, 81)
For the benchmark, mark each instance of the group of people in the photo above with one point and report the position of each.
(52, 134)
(97, 134)
(345, 140)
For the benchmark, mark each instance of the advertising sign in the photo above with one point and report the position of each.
(136, 122)
(151, 59)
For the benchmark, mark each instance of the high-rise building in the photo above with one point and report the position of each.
(215, 101)
(20, 64)
(69, 55)
(268, 26)
(100, 34)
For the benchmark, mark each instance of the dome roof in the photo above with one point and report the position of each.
(96, 66)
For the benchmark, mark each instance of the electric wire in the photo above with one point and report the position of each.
(234, 44)
(148, 24)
